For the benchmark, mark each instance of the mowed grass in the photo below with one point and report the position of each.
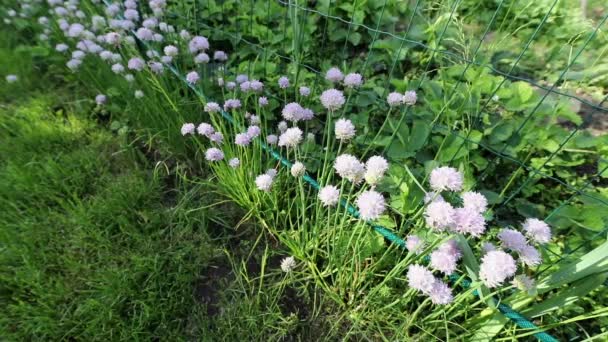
(91, 245)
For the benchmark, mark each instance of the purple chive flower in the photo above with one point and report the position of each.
(353, 80)
(375, 167)
(264, 182)
(257, 86)
(443, 261)
(272, 139)
(214, 154)
(446, 178)
(136, 64)
(212, 107)
(512, 239)
(234, 163)
(241, 78)
(156, 67)
(441, 293)
(307, 114)
(232, 104)
(344, 130)
(439, 215)
(410, 98)
(298, 169)
(216, 137)
(188, 128)
(283, 82)
(205, 129)
(349, 167)
(192, 77)
(292, 112)
(414, 244)
(242, 139)
(469, 221)
(496, 267)
(197, 44)
(220, 56)
(394, 99)
(230, 85)
(334, 75)
(537, 230)
(282, 126)
(117, 68)
(329, 195)
(420, 278)
(332, 99)
(253, 131)
(291, 137)
(304, 91)
(371, 205)
(100, 99)
(530, 256)
(475, 201)
(263, 101)
(201, 58)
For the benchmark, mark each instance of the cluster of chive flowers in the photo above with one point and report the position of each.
(124, 24)
(498, 263)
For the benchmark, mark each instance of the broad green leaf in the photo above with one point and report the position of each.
(593, 262)
(567, 297)
(420, 133)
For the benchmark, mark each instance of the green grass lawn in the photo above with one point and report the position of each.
(91, 248)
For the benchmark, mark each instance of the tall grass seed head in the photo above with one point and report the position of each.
(446, 178)
(537, 230)
(496, 267)
(344, 130)
(371, 205)
(332, 99)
